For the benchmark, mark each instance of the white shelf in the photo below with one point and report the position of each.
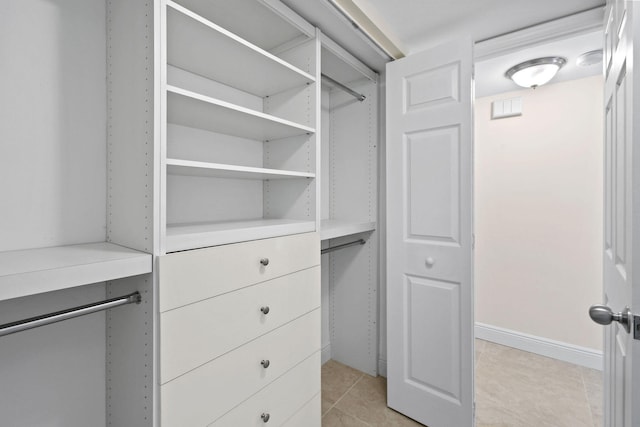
(332, 228)
(202, 47)
(182, 237)
(35, 271)
(194, 110)
(217, 170)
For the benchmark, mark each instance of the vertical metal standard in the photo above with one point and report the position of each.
(58, 316)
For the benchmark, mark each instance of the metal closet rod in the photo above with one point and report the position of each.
(58, 316)
(360, 97)
(344, 245)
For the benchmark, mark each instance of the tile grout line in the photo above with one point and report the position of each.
(343, 395)
(479, 355)
(586, 395)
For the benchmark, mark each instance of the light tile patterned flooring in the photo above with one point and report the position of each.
(513, 389)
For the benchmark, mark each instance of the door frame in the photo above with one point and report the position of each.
(580, 23)
(560, 29)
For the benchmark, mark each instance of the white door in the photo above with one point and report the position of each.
(429, 223)
(622, 212)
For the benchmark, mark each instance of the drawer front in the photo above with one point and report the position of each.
(198, 333)
(191, 276)
(206, 393)
(309, 416)
(281, 399)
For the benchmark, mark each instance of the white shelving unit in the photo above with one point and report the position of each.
(349, 211)
(192, 39)
(191, 168)
(194, 110)
(34, 271)
(334, 228)
(239, 124)
(184, 236)
(68, 183)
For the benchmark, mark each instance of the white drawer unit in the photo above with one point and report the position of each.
(208, 392)
(198, 333)
(233, 326)
(191, 276)
(309, 416)
(277, 403)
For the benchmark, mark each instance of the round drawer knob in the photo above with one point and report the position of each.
(264, 261)
(265, 363)
(429, 262)
(265, 309)
(265, 417)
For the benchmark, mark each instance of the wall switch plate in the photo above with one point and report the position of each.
(506, 108)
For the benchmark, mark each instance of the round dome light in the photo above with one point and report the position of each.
(535, 72)
(589, 58)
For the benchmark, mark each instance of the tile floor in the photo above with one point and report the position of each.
(513, 389)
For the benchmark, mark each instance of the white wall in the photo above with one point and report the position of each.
(52, 123)
(53, 169)
(538, 213)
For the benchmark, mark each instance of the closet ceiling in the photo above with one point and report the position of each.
(416, 24)
(490, 79)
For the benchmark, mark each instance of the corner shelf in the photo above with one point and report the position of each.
(333, 228)
(197, 45)
(182, 237)
(217, 170)
(33, 271)
(194, 110)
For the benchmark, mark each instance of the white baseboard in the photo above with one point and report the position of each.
(545, 347)
(325, 355)
(382, 368)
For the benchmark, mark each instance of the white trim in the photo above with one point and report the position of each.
(382, 368)
(577, 355)
(325, 354)
(573, 25)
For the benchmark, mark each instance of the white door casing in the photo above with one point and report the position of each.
(621, 210)
(429, 236)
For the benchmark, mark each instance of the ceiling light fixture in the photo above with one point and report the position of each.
(535, 72)
(589, 58)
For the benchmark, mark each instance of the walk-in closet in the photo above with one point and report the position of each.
(190, 201)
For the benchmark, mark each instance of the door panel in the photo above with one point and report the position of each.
(621, 216)
(432, 174)
(433, 309)
(608, 205)
(427, 88)
(429, 280)
(620, 184)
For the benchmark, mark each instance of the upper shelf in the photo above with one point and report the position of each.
(265, 23)
(217, 170)
(333, 228)
(202, 47)
(198, 111)
(34, 271)
(182, 237)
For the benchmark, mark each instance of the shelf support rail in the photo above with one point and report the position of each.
(58, 316)
(360, 97)
(344, 245)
